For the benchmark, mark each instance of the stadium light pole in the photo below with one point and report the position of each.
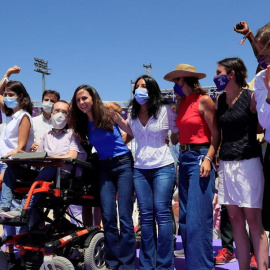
(148, 69)
(42, 67)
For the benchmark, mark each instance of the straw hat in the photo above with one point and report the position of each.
(184, 70)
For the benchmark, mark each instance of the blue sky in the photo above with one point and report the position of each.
(106, 43)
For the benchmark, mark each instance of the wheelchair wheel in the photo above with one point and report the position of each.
(60, 263)
(94, 253)
(3, 260)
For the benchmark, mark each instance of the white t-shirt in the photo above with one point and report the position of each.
(153, 151)
(41, 126)
(263, 108)
(10, 133)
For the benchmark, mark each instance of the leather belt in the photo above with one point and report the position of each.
(193, 147)
(117, 158)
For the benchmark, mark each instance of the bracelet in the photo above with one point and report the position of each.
(6, 78)
(267, 100)
(248, 33)
(245, 37)
(210, 159)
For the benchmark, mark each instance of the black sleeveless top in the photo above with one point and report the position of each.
(238, 128)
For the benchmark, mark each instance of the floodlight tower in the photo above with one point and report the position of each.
(148, 69)
(42, 67)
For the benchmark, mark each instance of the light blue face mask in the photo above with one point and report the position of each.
(11, 102)
(141, 95)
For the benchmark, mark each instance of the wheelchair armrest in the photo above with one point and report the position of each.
(80, 163)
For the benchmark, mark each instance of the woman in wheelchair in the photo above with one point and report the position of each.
(59, 142)
(90, 120)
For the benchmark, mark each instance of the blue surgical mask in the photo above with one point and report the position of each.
(141, 95)
(11, 102)
(221, 81)
(178, 89)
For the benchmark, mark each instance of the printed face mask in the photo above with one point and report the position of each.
(47, 106)
(221, 81)
(59, 121)
(178, 89)
(141, 95)
(11, 102)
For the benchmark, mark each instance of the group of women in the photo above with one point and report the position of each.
(198, 126)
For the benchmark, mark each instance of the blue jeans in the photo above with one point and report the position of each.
(9, 230)
(116, 176)
(14, 172)
(196, 211)
(154, 189)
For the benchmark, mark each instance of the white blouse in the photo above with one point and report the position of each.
(152, 151)
(10, 133)
(263, 108)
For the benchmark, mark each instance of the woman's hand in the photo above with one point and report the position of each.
(12, 152)
(13, 70)
(205, 168)
(241, 28)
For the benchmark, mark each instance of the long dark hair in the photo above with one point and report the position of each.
(25, 101)
(78, 120)
(237, 65)
(155, 101)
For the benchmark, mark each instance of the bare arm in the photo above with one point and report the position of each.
(4, 80)
(121, 122)
(243, 28)
(126, 138)
(208, 109)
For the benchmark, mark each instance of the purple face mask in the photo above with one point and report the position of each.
(261, 61)
(178, 90)
(221, 81)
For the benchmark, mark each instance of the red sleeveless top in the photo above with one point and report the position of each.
(193, 129)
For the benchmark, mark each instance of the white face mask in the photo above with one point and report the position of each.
(59, 121)
(47, 106)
